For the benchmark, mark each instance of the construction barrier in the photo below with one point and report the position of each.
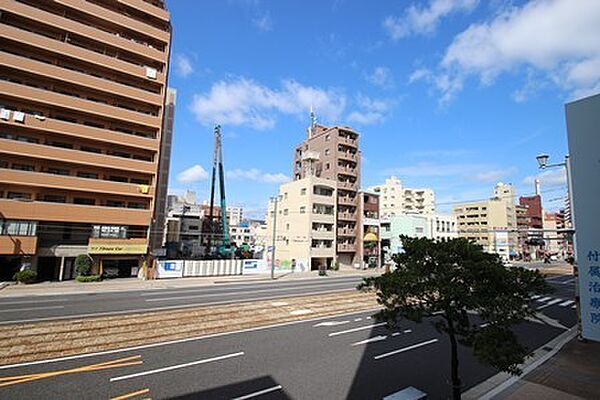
(185, 268)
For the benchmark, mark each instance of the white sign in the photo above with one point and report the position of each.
(250, 267)
(170, 269)
(583, 124)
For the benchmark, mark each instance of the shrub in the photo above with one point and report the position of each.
(88, 278)
(25, 276)
(83, 265)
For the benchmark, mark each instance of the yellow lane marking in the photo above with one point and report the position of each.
(130, 395)
(121, 362)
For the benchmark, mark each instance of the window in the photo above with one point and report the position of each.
(55, 198)
(90, 149)
(115, 203)
(302, 210)
(285, 212)
(58, 171)
(326, 152)
(18, 196)
(23, 167)
(109, 231)
(89, 175)
(327, 137)
(117, 178)
(303, 191)
(132, 204)
(61, 145)
(84, 201)
(140, 181)
(18, 228)
(327, 166)
(287, 227)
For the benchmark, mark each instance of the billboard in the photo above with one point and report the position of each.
(583, 122)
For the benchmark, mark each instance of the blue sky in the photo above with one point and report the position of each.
(450, 94)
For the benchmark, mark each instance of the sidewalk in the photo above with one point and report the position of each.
(127, 284)
(573, 373)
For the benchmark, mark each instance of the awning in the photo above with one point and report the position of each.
(370, 237)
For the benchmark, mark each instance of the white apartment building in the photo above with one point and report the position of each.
(394, 199)
(442, 227)
(305, 227)
(491, 223)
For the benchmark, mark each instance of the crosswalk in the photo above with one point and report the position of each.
(549, 301)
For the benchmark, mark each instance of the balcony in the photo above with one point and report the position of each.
(346, 155)
(346, 247)
(347, 200)
(89, 56)
(348, 142)
(61, 212)
(347, 171)
(68, 182)
(347, 216)
(322, 251)
(18, 245)
(346, 231)
(347, 185)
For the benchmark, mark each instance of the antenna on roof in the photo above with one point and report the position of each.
(313, 121)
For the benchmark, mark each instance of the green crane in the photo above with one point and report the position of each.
(225, 249)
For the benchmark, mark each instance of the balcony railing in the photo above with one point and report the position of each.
(347, 216)
(346, 247)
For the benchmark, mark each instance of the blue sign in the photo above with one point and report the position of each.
(172, 266)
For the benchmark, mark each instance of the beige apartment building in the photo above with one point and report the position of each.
(332, 153)
(82, 107)
(491, 223)
(396, 199)
(305, 224)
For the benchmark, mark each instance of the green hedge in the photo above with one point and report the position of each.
(25, 276)
(89, 278)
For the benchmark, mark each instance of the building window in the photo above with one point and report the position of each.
(23, 167)
(84, 201)
(327, 137)
(18, 228)
(302, 210)
(137, 205)
(55, 198)
(58, 171)
(327, 166)
(303, 191)
(109, 231)
(326, 152)
(90, 149)
(115, 203)
(89, 175)
(18, 196)
(285, 212)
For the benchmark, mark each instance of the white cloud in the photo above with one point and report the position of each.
(370, 111)
(424, 20)
(193, 174)
(381, 76)
(257, 175)
(471, 171)
(558, 38)
(183, 65)
(549, 178)
(245, 102)
(263, 22)
(419, 74)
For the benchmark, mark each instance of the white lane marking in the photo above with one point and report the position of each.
(360, 328)
(567, 282)
(259, 393)
(537, 296)
(31, 309)
(279, 303)
(175, 307)
(551, 302)
(243, 287)
(395, 333)
(4, 303)
(331, 323)
(543, 299)
(357, 319)
(566, 303)
(484, 325)
(177, 341)
(414, 346)
(178, 366)
(195, 296)
(368, 317)
(407, 331)
(371, 340)
(302, 311)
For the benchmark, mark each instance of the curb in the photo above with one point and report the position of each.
(498, 383)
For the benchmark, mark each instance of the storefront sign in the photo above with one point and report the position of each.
(117, 248)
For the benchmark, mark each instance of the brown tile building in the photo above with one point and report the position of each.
(338, 160)
(82, 95)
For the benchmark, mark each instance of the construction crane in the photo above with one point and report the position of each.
(224, 250)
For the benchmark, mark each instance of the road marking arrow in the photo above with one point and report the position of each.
(370, 340)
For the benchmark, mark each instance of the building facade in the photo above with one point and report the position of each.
(304, 224)
(370, 235)
(397, 200)
(442, 227)
(491, 223)
(333, 153)
(82, 97)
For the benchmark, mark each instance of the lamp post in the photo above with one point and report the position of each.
(542, 160)
(274, 199)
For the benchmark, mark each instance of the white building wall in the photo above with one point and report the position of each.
(394, 199)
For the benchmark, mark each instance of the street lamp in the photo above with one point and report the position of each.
(274, 200)
(542, 160)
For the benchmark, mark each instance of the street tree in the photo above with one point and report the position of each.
(471, 296)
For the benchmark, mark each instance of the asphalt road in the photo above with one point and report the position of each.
(44, 308)
(346, 356)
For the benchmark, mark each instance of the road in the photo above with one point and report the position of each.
(346, 356)
(56, 307)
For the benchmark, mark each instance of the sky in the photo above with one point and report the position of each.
(455, 95)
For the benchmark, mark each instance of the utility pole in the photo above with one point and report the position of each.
(274, 199)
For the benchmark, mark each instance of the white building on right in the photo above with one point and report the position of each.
(442, 227)
(394, 199)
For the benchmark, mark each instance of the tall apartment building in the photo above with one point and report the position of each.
(370, 233)
(332, 153)
(397, 200)
(82, 96)
(305, 224)
(491, 223)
